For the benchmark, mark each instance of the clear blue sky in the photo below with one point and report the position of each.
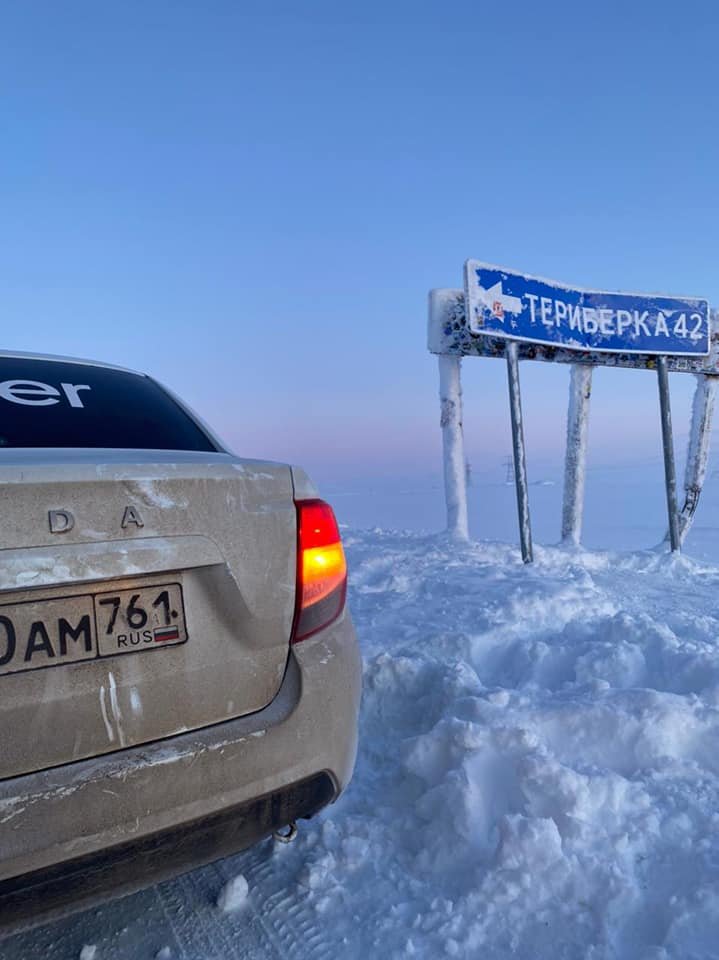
(250, 200)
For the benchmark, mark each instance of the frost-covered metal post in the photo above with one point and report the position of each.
(455, 472)
(575, 462)
(698, 449)
(520, 462)
(670, 474)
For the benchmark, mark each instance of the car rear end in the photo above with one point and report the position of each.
(179, 673)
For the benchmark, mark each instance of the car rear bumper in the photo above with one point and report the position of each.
(204, 794)
(87, 880)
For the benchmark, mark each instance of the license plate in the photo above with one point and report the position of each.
(48, 633)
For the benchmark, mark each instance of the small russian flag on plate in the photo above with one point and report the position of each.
(166, 633)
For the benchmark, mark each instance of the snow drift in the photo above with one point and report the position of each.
(538, 771)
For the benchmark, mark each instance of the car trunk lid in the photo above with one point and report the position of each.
(194, 556)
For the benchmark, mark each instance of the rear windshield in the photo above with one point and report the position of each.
(45, 403)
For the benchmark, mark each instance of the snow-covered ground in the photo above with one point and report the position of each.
(538, 777)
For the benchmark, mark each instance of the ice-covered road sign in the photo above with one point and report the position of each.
(502, 303)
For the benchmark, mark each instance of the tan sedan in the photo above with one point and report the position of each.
(179, 674)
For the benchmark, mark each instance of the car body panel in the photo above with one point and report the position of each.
(310, 726)
(304, 488)
(222, 528)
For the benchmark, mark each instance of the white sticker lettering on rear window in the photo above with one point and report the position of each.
(33, 393)
(71, 392)
(29, 392)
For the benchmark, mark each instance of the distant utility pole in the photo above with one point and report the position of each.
(509, 467)
(468, 473)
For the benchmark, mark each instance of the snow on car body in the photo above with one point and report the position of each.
(179, 674)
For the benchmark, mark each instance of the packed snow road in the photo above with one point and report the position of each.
(538, 778)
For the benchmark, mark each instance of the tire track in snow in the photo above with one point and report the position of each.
(285, 914)
(276, 922)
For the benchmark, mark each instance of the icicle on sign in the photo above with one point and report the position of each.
(502, 313)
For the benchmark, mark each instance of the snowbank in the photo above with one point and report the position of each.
(538, 770)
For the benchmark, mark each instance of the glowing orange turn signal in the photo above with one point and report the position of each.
(321, 569)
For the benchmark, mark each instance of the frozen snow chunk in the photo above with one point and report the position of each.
(164, 953)
(433, 755)
(319, 873)
(529, 843)
(619, 663)
(500, 698)
(88, 952)
(233, 895)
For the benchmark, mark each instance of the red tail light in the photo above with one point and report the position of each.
(321, 569)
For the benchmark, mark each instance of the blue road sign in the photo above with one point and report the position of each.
(502, 303)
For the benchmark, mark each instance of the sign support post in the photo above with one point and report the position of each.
(455, 472)
(520, 463)
(698, 449)
(670, 474)
(575, 463)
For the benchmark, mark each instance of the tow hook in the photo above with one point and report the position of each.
(286, 834)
